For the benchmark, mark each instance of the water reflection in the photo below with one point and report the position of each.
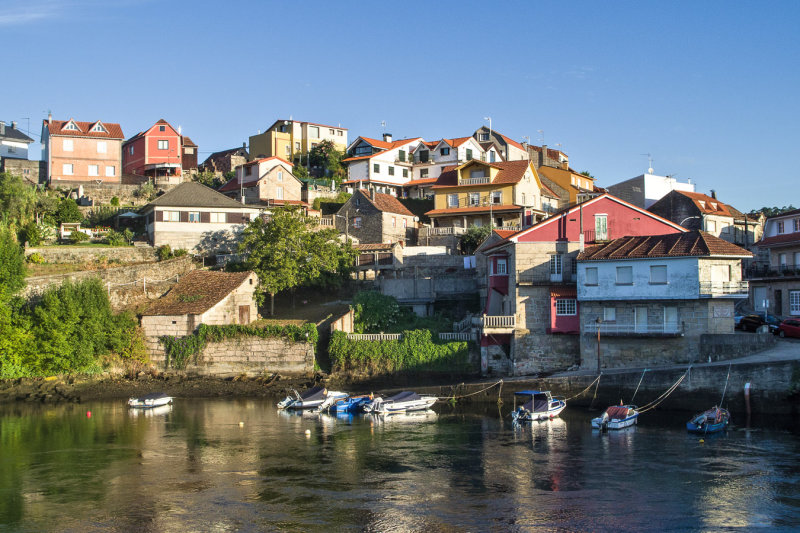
(228, 465)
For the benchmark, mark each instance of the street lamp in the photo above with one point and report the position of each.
(689, 218)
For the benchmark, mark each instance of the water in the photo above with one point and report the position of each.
(195, 468)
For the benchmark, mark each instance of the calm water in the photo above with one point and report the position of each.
(195, 468)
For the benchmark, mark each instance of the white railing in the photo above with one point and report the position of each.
(475, 181)
(453, 230)
(464, 336)
(499, 321)
(615, 328)
(375, 336)
(463, 325)
(724, 288)
(326, 221)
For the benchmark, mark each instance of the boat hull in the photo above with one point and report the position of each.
(149, 403)
(616, 423)
(712, 421)
(380, 407)
(552, 412)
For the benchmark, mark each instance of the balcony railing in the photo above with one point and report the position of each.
(591, 235)
(326, 221)
(465, 336)
(625, 329)
(498, 321)
(452, 230)
(716, 289)
(475, 181)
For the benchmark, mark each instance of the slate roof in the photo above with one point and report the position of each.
(510, 172)
(188, 142)
(197, 292)
(387, 203)
(690, 244)
(113, 130)
(15, 135)
(223, 153)
(193, 194)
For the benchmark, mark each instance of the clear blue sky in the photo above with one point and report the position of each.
(710, 89)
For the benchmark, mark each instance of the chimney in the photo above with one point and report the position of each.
(543, 155)
(387, 137)
(713, 194)
(49, 118)
(2, 127)
(13, 125)
(372, 194)
(244, 146)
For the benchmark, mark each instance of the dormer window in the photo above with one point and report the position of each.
(702, 204)
(444, 151)
(483, 137)
(713, 206)
(71, 126)
(478, 173)
(99, 128)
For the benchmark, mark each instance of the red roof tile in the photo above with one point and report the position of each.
(692, 244)
(510, 172)
(779, 240)
(114, 131)
(707, 208)
(422, 181)
(380, 144)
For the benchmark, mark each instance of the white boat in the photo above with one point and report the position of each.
(400, 403)
(310, 399)
(149, 401)
(616, 417)
(541, 405)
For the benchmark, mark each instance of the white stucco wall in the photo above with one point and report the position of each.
(682, 280)
(656, 187)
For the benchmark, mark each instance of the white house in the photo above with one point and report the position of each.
(430, 159)
(384, 166)
(13, 143)
(647, 189)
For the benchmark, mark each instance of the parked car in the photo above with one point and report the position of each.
(752, 322)
(789, 328)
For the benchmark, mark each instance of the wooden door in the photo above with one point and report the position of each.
(244, 314)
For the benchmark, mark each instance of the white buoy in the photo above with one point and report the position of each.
(241, 424)
(308, 433)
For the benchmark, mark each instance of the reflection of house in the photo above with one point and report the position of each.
(197, 218)
(267, 181)
(531, 291)
(292, 140)
(647, 189)
(82, 151)
(202, 297)
(225, 160)
(374, 218)
(157, 152)
(776, 279)
(654, 297)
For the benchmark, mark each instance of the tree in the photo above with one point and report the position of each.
(68, 211)
(326, 155)
(209, 179)
(12, 265)
(772, 211)
(17, 199)
(587, 174)
(473, 238)
(300, 172)
(287, 251)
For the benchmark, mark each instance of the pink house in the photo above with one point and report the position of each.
(156, 152)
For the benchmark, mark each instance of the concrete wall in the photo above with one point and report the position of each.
(344, 323)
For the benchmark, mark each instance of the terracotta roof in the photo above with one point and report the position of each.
(193, 194)
(692, 244)
(510, 172)
(697, 197)
(113, 130)
(387, 203)
(511, 141)
(197, 292)
(381, 144)
(422, 181)
(504, 233)
(474, 209)
(374, 247)
(778, 240)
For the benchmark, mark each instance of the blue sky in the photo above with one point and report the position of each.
(708, 88)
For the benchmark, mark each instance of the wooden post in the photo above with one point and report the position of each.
(599, 321)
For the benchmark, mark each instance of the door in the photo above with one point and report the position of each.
(640, 320)
(601, 227)
(244, 314)
(759, 297)
(670, 319)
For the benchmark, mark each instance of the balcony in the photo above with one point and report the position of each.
(326, 221)
(616, 329)
(475, 181)
(451, 230)
(724, 289)
(591, 235)
(496, 324)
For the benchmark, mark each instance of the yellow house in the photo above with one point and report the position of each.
(292, 140)
(575, 184)
(504, 194)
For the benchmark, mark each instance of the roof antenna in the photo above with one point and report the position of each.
(650, 165)
(383, 125)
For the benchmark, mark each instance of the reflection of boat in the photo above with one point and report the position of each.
(616, 417)
(540, 406)
(351, 404)
(153, 411)
(711, 421)
(311, 398)
(149, 401)
(409, 417)
(400, 403)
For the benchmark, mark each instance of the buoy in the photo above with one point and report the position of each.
(702, 440)
(88, 414)
(241, 424)
(308, 433)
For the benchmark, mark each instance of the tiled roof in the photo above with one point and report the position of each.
(510, 172)
(15, 135)
(552, 154)
(188, 142)
(511, 141)
(697, 197)
(193, 194)
(422, 181)
(387, 203)
(113, 131)
(505, 233)
(229, 151)
(474, 209)
(692, 243)
(778, 240)
(374, 247)
(381, 144)
(197, 292)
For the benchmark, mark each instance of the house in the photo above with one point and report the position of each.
(225, 161)
(578, 187)
(197, 218)
(776, 280)
(189, 158)
(656, 299)
(385, 166)
(292, 140)
(82, 151)
(505, 194)
(529, 293)
(376, 218)
(13, 143)
(159, 153)
(542, 156)
(510, 150)
(694, 210)
(373, 258)
(430, 159)
(202, 297)
(266, 181)
(647, 189)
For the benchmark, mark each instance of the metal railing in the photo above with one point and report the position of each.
(616, 328)
(451, 230)
(464, 336)
(724, 288)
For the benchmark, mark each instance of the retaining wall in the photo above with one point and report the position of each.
(87, 254)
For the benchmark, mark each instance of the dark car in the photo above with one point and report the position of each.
(789, 328)
(752, 322)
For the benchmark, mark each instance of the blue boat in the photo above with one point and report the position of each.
(712, 421)
(351, 404)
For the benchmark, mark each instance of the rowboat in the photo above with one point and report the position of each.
(711, 421)
(310, 399)
(400, 403)
(616, 417)
(537, 405)
(150, 401)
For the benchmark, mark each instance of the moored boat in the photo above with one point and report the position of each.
(537, 405)
(150, 401)
(310, 399)
(351, 404)
(400, 403)
(711, 421)
(616, 417)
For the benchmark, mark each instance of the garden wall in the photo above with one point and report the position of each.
(88, 254)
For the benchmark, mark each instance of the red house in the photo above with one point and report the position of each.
(157, 153)
(531, 316)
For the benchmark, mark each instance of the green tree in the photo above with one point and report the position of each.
(209, 179)
(772, 211)
(12, 265)
(68, 211)
(473, 238)
(288, 251)
(300, 172)
(587, 174)
(326, 155)
(17, 198)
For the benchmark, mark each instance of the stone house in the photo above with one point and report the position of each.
(197, 218)
(531, 313)
(226, 160)
(374, 218)
(266, 182)
(655, 299)
(776, 279)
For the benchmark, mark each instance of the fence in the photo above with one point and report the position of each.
(724, 288)
(499, 321)
(463, 336)
(375, 336)
(669, 328)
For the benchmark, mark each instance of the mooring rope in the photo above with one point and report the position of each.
(639, 385)
(665, 394)
(448, 398)
(596, 380)
(726, 385)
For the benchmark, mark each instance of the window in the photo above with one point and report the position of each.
(218, 218)
(452, 200)
(130, 150)
(780, 222)
(163, 145)
(376, 168)
(555, 264)
(162, 128)
(424, 155)
(401, 155)
(67, 169)
(405, 223)
(68, 146)
(330, 131)
(71, 126)
(288, 149)
(797, 224)
(497, 197)
(94, 170)
(591, 276)
(711, 226)
(444, 151)
(102, 147)
(501, 266)
(391, 170)
(474, 198)
(423, 173)
(609, 314)
(172, 216)
(297, 146)
(523, 199)
(279, 193)
(313, 132)
(658, 274)
(782, 260)
(670, 319)
(469, 154)
(566, 307)
(601, 227)
(479, 173)
(405, 172)
(194, 216)
(483, 137)
(357, 222)
(280, 175)
(492, 156)
(794, 302)
(625, 275)
(12, 149)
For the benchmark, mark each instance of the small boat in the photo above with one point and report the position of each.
(400, 403)
(311, 398)
(351, 404)
(711, 421)
(149, 401)
(616, 417)
(540, 405)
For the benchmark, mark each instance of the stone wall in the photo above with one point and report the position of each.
(31, 171)
(88, 254)
(102, 193)
(535, 353)
(725, 347)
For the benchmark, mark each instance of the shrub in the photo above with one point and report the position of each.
(68, 211)
(164, 252)
(36, 258)
(375, 312)
(114, 238)
(31, 233)
(77, 237)
(180, 252)
(114, 200)
(128, 235)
